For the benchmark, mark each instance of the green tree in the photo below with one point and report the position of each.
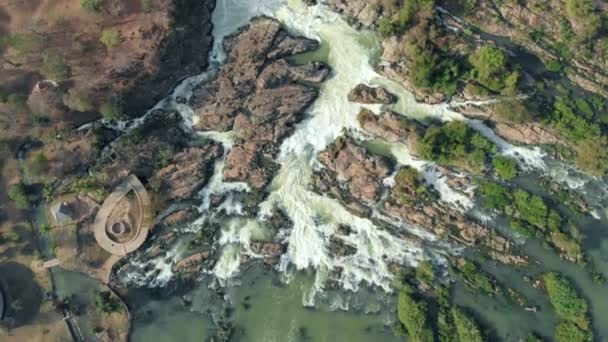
(17, 194)
(491, 69)
(37, 165)
(531, 208)
(564, 298)
(110, 38)
(569, 332)
(111, 111)
(495, 195)
(90, 5)
(466, 327)
(413, 315)
(592, 156)
(25, 43)
(105, 302)
(78, 101)
(505, 167)
(54, 66)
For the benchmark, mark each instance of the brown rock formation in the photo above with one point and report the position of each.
(189, 171)
(389, 126)
(351, 173)
(192, 265)
(270, 251)
(258, 95)
(371, 95)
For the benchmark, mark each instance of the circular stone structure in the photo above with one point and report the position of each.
(123, 221)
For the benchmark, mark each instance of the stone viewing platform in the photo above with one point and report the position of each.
(123, 221)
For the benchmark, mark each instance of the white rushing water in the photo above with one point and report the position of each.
(317, 217)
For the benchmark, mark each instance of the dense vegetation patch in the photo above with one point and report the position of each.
(17, 194)
(570, 307)
(413, 315)
(466, 327)
(78, 101)
(105, 302)
(491, 69)
(456, 144)
(505, 167)
(410, 187)
(90, 5)
(110, 38)
(54, 66)
(111, 110)
(531, 215)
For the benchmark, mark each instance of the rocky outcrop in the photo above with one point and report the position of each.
(339, 247)
(450, 224)
(270, 251)
(177, 217)
(391, 127)
(361, 12)
(354, 176)
(513, 20)
(371, 95)
(191, 266)
(181, 50)
(531, 133)
(140, 151)
(351, 173)
(189, 171)
(259, 96)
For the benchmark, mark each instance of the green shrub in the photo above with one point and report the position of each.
(111, 111)
(425, 273)
(583, 12)
(491, 69)
(566, 301)
(532, 337)
(147, 6)
(505, 167)
(25, 43)
(386, 28)
(90, 5)
(54, 66)
(4, 93)
(105, 302)
(37, 165)
(77, 101)
(592, 156)
(17, 103)
(110, 38)
(473, 277)
(456, 144)
(569, 332)
(18, 195)
(568, 123)
(466, 327)
(531, 208)
(413, 315)
(410, 187)
(554, 65)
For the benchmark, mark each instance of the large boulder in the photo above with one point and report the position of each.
(371, 95)
(351, 173)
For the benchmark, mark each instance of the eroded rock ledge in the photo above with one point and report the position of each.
(258, 95)
(355, 176)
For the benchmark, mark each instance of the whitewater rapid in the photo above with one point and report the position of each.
(316, 217)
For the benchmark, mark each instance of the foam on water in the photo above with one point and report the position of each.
(316, 217)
